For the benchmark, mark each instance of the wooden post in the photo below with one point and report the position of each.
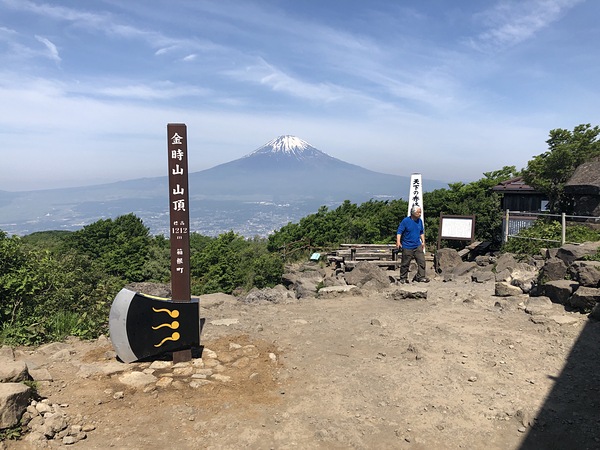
(179, 216)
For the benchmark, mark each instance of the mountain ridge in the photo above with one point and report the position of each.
(279, 182)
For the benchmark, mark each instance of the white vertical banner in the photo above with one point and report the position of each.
(415, 194)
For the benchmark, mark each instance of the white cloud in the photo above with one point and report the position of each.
(511, 22)
(52, 50)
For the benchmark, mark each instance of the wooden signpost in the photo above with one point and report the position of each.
(143, 326)
(179, 216)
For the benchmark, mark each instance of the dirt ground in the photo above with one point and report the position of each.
(460, 369)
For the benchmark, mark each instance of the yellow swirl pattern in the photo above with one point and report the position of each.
(174, 314)
(174, 337)
(173, 325)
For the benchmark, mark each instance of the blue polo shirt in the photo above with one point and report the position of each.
(410, 231)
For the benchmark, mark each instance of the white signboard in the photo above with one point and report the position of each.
(457, 227)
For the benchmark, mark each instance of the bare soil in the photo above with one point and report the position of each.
(460, 369)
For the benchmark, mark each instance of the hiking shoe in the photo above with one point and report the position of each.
(422, 280)
(403, 281)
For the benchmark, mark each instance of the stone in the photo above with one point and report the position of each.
(338, 291)
(559, 291)
(364, 272)
(464, 268)
(13, 371)
(213, 300)
(14, 399)
(573, 252)
(524, 276)
(137, 379)
(554, 269)
(446, 259)
(506, 261)
(504, 289)
(52, 348)
(595, 314)
(585, 298)
(538, 305)
(482, 276)
(408, 292)
(225, 322)
(504, 275)
(41, 375)
(587, 273)
(7, 352)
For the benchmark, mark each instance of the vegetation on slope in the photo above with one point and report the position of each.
(54, 284)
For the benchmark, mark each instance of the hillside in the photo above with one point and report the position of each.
(280, 182)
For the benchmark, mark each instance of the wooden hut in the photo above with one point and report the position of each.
(519, 196)
(584, 188)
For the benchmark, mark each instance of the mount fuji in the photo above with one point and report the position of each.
(279, 182)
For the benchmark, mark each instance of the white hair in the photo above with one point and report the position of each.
(413, 210)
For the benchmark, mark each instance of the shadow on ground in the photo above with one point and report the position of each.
(570, 416)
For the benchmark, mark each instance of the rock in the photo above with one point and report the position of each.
(213, 300)
(403, 293)
(506, 261)
(53, 424)
(364, 272)
(225, 322)
(595, 314)
(524, 276)
(268, 295)
(585, 298)
(7, 352)
(554, 269)
(587, 273)
(572, 252)
(503, 289)
(337, 291)
(482, 276)
(137, 379)
(446, 259)
(40, 375)
(559, 291)
(14, 399)
(538, 305)
(503, 276)
(12, 371)
(162, 290)
(464, 268)
(52, 348)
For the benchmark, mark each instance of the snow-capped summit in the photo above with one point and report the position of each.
(288, 146)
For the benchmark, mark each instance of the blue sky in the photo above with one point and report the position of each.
(450, 89)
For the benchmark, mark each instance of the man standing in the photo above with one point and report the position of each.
(411, 240)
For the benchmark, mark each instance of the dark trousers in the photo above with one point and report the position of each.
(407, 256)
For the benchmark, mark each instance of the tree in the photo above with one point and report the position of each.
(550, 171)
(121, 246)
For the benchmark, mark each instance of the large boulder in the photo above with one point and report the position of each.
(553, 269)
(446, 259)
(559, 291)
(587, 273)
(13, 371)
(573, 252)
(585, 298)
(464, 268)
(368, 275)
(14, 399)
(506, 261)
(303, 280)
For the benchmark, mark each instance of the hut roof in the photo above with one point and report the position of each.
(585, 179)
(516, 184)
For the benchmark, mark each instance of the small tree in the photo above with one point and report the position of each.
(550, 171)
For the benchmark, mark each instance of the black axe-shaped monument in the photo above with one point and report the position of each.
(142, 326)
